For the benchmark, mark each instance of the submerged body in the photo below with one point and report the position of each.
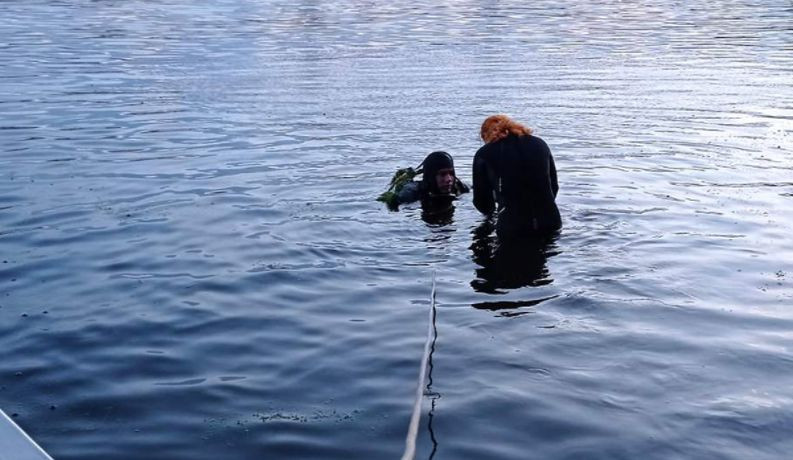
(515, 176)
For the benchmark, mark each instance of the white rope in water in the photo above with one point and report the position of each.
(413, 429)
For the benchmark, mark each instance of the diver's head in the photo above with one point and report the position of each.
(438, 177)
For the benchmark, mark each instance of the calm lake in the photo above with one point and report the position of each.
(193, 264)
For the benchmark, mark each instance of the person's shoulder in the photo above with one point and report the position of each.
(409, 192)
(483, 150)
(536, 143)
(536, 140)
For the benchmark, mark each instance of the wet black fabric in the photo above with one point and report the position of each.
(516, 177)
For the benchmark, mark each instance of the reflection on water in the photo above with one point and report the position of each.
(437, 212)
(432, 395)
(434, 212)
(509, 264)
(193, 265)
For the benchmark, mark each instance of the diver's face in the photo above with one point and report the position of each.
(444, 180)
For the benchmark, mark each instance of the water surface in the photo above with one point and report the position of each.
(192, 264)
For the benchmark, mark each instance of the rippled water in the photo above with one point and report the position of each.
(192, 264)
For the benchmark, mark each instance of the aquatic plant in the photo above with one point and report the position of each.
(401, 177)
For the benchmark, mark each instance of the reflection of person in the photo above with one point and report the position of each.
(437, 213)
(439, 184)
(515, 175)
(509, 264)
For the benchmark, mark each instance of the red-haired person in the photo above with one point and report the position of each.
(515, 176)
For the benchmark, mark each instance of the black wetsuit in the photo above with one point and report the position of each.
(518, 175)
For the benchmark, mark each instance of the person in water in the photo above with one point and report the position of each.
(438, 186)
(515, 177)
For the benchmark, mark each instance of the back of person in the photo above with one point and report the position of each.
(517, 173)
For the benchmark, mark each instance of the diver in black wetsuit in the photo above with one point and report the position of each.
(515, 175)
(439, 185)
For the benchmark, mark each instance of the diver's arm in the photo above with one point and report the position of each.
(483, 189)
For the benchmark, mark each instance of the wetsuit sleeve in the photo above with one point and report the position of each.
(483, 189)
(552, 167)
(409, 193)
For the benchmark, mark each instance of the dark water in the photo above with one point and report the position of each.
(192, 264)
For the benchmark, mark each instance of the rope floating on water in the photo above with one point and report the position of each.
(413, 429)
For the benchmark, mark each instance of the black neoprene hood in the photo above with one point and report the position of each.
(434, 162)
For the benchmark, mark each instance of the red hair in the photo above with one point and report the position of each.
(497, 127)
